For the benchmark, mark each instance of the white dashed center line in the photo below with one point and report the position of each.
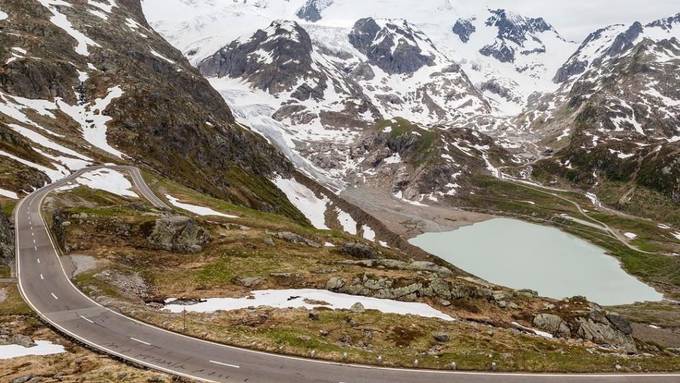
(85, 319)
(54, 296)
(224, 364)
(141, 341)
(38, 259)
(41, 277)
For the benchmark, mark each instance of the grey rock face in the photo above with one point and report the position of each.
(512, 29)
(552, 324)
(271, 60)
(625, 41)
(335, 283)
(358, 250)
(6, 241)
(620, 323)
(311, 10)
(500, 51)
(516, 28)
(464, 29)
(393, 48)
(296, 238)
(604, 333)
(178, 233)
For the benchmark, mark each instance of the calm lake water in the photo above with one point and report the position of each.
(520, 255)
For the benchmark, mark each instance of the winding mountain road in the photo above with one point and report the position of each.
(46, 288)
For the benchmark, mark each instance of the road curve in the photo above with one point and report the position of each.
(46, 288)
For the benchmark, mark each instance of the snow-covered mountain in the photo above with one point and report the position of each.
(507, 56)
(320, 77)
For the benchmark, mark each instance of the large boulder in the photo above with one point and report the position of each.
(552, 324)
(605, 333)
(6, 241)
(178, 233)
(358, 250)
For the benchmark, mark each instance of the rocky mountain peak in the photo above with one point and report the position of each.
(667, 23)
(626, 40)
(394, 46)
(270, 59)
(311, 10)
(514, 27)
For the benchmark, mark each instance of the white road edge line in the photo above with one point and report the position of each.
(140, 341)
(224, 364)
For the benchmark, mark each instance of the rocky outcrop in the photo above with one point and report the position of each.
(296, 239)
(513, 32)
(401, 265)
(394, 48)
(358, 250)
(311, 10)
(552, 324)
(596, 325)
(272, 59)
(464, 29)
(409, 289)
(178, 233)
(130, 285)
(6, 241)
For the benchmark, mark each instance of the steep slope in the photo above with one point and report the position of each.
(508, 56)
(71, 97)
(615, 118)
(328, 85)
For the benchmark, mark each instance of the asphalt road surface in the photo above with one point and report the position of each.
(45, 286)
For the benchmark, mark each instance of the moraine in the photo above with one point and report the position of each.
(523, 255)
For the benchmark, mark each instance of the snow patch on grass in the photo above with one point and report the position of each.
(108, 180)
(630, 235)
(42, 347)
(304, 199)
(53, 174)
(3, 15)
(296, 299)
(198, 210)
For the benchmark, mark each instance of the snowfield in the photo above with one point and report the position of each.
(93, 121)
(198, 210)
(42, 347)
(108, 180)
(8, 194)
(304, 199)
(297, 299)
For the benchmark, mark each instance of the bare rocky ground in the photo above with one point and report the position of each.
(408, 219)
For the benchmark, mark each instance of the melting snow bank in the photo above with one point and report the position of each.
(3, 15)
(8, 194)
(198, 210)
(304, 199)
(108, 180)
(42, 347)
(309, 298)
